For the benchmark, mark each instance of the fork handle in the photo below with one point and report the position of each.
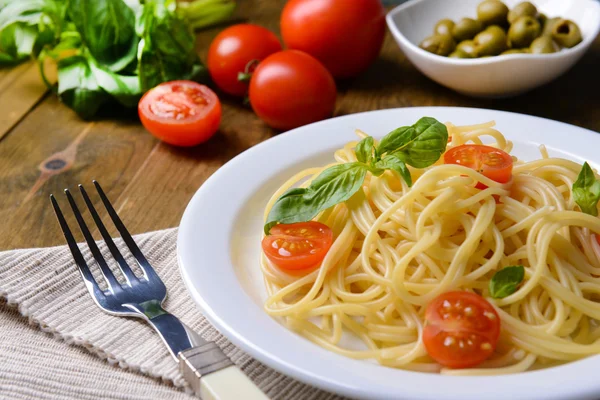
(228, 383)
(210, 373)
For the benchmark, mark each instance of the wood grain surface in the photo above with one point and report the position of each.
(45, 147)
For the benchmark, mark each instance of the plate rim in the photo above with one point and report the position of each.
(275, 361)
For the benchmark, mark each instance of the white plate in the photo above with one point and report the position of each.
(219, 243)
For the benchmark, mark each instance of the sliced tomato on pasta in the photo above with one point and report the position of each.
(298, 246)
(461, 329)
(491, 162)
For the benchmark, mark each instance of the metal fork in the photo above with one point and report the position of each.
(209, 372)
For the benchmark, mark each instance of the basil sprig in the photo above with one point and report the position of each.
(419, 145)
(586, 190)
(506, 281)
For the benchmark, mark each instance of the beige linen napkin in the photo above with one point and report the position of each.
(46, 287)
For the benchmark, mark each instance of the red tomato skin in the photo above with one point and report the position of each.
(479, 327)
(290, 88)
(233, 49)
(345, 35)
(188, 131)
(312, 240)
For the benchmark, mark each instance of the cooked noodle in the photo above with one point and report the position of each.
(396, 248)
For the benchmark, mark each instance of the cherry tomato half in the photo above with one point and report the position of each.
(291, 88)
(297, 246)
(461, 329)
(181, 113)
(345, 35)
(491, 162)
(233, 49)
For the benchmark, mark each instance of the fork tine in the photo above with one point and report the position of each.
(86, 274)
(111, 281)
(127, 272)
(149, 272)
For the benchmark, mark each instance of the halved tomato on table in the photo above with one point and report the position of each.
(299, 246)
(491, 162)
(461, 329)
(181, 113)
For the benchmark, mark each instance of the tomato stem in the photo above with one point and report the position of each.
(248, 70)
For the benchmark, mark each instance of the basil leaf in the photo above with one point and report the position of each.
(108, 30)
(167, 47)
(78, 88)
(427, 146)
(506, 281)
(16, 43)
(419, 145)
(394, 163)
(364, 150)
(586, 190)
(334, 185)
(396, 139)
(125, 89)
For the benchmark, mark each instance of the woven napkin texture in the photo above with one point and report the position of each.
(45, 286)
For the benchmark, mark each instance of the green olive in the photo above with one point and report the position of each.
(523, 31)
(515, 51)
(549, 25)
(566, 33)
(466, 29)
(520, 10)
(490, 42)
(542, 18)
(444, 27)
(441, 45)
(467, 47)
(543, 45)
(492, 12)
(459, 54)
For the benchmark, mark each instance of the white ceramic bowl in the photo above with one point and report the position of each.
(503, 76)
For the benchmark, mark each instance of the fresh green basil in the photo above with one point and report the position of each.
(394, 163)
(396, 139)
(334, 185)
(125, 89)
(116, 48)
(107, 29)
(586, 190)
(427, 146)
(420, 145)
(167, 47)
(506, 281)
(78, 88)
(26, 26)
(364, 150)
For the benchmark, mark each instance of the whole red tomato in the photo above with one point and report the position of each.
(232, 50)
(291, 88)
(345, 35)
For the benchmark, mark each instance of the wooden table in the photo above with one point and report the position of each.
(45, 147)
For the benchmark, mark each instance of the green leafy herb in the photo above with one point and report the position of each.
(420, 145)
(506, 281)
(334, 185)
(586, 190)
(77, 86)
(364, 150)
(107, 29)
(167, 46)
(394, 163)
(26, 26)
(108, 49)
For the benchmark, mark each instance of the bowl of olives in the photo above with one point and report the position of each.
(494, 48)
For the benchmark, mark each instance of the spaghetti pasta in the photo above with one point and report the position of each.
(398, 247)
